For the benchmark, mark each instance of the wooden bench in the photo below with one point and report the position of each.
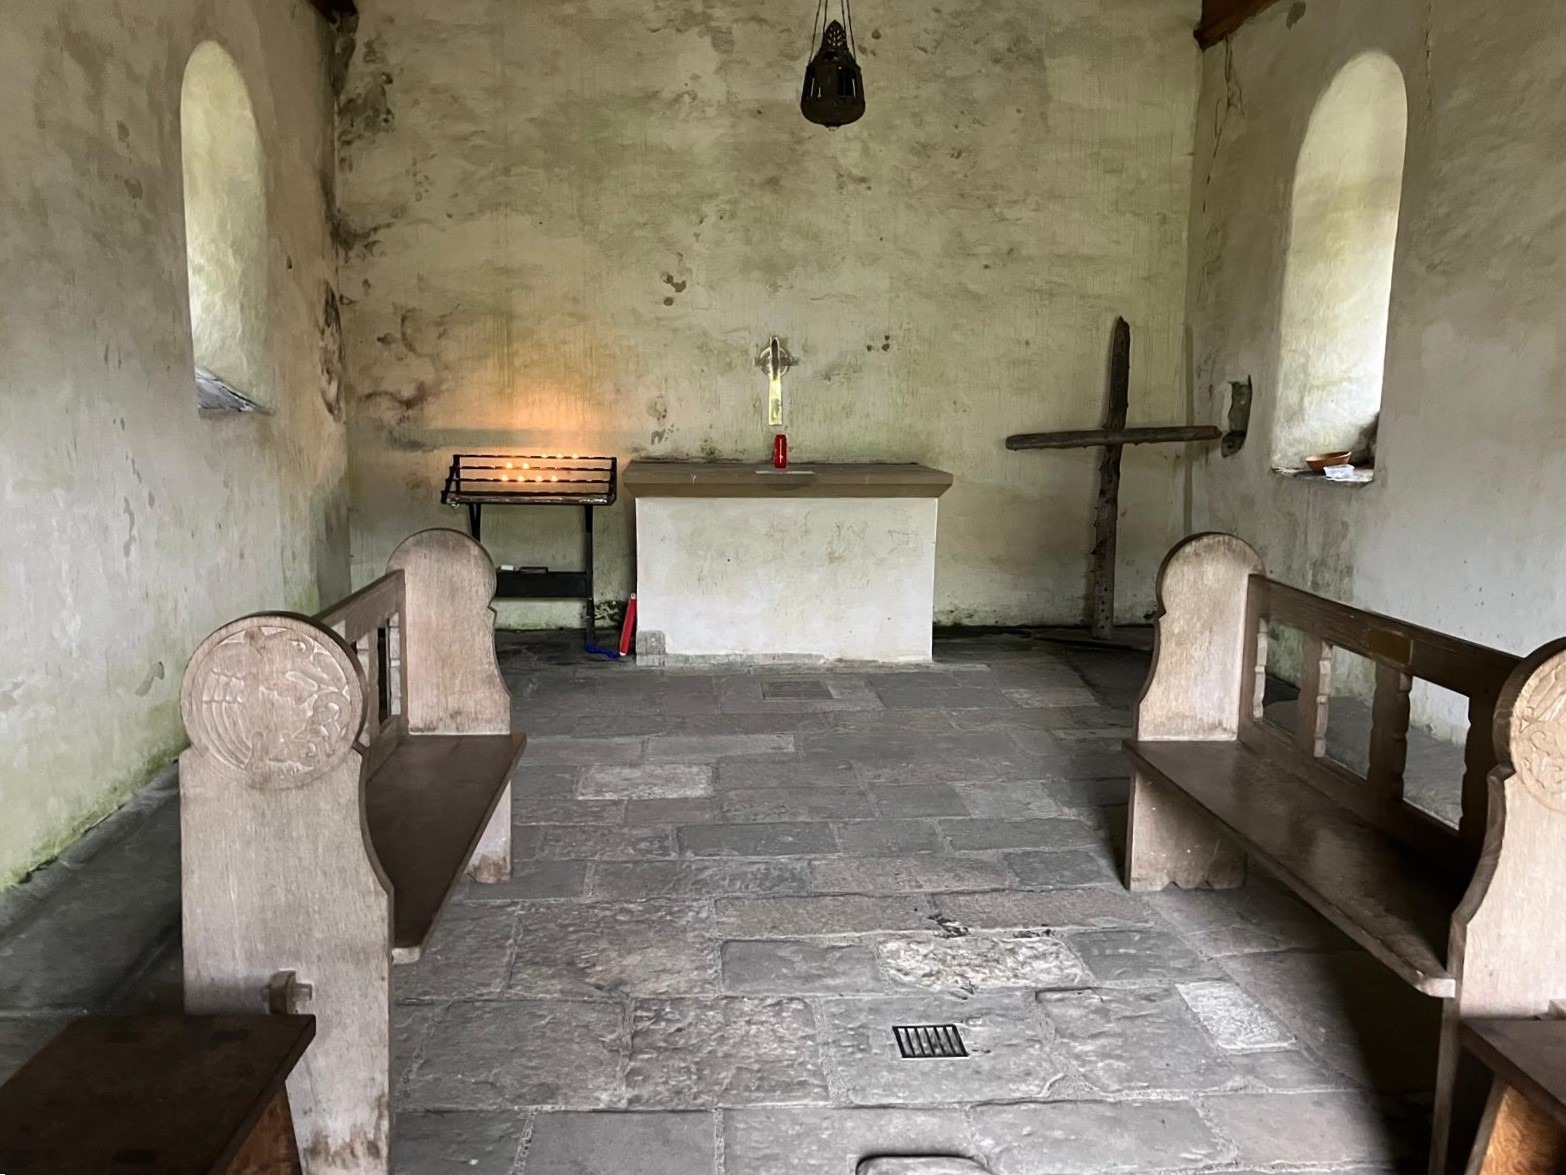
(344, 772)
(175, 1095)
(1523, 1131)
(1468, 914)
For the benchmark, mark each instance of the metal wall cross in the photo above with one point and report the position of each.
(1113, 437)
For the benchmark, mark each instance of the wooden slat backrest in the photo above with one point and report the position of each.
(371, 621)
(1458, 665)
(1400, 653)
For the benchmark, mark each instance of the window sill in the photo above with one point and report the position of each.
(216, 398)
(1361, 478)
(232, 413)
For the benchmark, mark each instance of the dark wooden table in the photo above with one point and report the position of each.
(175, 1095)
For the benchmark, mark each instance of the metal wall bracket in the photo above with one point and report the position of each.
(1241, 393)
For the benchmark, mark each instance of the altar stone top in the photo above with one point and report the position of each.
(735, 479)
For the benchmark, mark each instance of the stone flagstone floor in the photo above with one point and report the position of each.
(731, 885)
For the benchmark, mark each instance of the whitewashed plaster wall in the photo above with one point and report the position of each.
(1461, 529)
(574, 226)
(129, 526)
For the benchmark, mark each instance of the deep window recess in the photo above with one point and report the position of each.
(1338, 277)
(225, 235)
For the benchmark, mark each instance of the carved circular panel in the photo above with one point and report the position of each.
(1538, 735)
(274, 700)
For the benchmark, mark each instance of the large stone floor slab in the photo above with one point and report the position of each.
(590, 842)
(517, 1053)
(700, 878)
(1325, 1128)
(466, 958)
(795, 803)
(1019, 833)
(621, 1144)
(799, 967)
(779, 839)
(1007, 1053)
(1139, 956)
(1254, 919)
(911, 801)
(1349, 1010)
(1137, 1040)
(724, 1052)
(1057, 910)
(876, 838)
(1008, 800)
(613, 948)
(1064, 869)
(459, 1141)
(1232, 1018)
(907, 874)
(833, 1141)
(794, 917)
(531, 880)
(650, 781)
(980, 962)
(1097, 1138)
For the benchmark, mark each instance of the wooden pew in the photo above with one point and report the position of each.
(1470, 915)
(344, 772)
(1523, 1131)
(176, 1095)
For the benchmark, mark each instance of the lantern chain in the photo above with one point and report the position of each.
(823, 16)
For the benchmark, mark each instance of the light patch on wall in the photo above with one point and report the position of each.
(1338, 280)
(225, 225)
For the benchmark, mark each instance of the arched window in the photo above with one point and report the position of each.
(225, 234)
(1338, 279)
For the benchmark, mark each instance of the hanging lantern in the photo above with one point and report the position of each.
(834, 88)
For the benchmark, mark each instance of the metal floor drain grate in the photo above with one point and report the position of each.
(920, 1041)
(804, 691)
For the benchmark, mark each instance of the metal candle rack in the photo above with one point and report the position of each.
(476, 480)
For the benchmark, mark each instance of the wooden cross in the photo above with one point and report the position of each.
(1113, 438)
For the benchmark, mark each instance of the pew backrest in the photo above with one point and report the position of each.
(1400, 653)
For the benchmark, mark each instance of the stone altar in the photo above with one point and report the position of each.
(814, 563)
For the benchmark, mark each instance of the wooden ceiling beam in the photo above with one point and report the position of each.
(1220, 18)
(335, 10)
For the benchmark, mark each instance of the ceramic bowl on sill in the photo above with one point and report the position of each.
(1319, 462)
